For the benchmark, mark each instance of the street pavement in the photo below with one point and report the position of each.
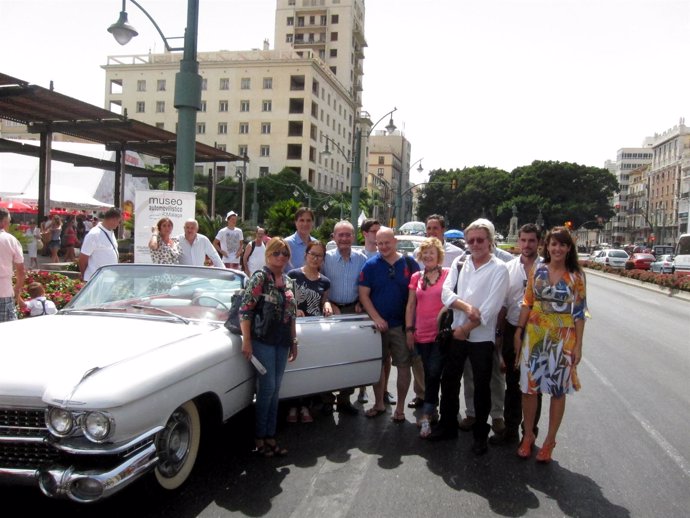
(622, 450)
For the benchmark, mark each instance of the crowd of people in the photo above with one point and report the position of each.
(517, 322)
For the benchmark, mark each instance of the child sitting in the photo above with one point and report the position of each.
(38, 305)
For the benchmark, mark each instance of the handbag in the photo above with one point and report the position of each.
(444, 319)
(232, 324)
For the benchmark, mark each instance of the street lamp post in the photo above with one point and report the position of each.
(398, 196)
(187, 87)
(356, 177)
(242, 175)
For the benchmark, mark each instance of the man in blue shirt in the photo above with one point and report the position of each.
(304, 223)
(383, 290)
(342, 266)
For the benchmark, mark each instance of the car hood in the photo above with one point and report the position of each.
(54, 353)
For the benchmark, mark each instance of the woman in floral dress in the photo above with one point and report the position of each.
(165, 249)
(549, 350)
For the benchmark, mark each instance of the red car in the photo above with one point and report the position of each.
(642, 261)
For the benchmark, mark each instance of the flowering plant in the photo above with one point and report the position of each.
(59, 288)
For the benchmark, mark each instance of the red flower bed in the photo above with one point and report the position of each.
(674, 281)
(59, 288)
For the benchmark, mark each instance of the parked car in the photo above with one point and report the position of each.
(612, 258)
(409, 243)
(583, 257)
(663, 265)
(641, 261)
(139, 364)
(415, 228)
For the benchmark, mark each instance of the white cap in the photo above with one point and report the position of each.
(231, 213)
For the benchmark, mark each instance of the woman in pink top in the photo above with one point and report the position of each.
(423, 305)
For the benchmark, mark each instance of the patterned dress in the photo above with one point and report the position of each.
(167, 253)
(546, 360)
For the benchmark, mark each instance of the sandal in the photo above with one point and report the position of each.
(544, 454)
(305, 416)
(261, 449)
(425, 430)
(375, 412)
(292, 415)
(398, 417)
(525, 449)
(272, 447)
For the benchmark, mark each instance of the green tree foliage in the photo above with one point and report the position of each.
(324, 230)
(562, 191)
(280, 218)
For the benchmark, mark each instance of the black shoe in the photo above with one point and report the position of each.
(416, 403)
(480, 447)
(497, 439)
(347, 408)
(441, 433)
(388, 398)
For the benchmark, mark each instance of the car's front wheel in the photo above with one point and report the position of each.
(178, 446)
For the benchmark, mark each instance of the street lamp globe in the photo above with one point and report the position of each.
(391, 127)
(121, 30)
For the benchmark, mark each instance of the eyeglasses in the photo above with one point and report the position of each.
(391, 272)
(478, 240)
(315, 256)
(284, 253)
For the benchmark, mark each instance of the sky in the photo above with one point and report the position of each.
(497, 83)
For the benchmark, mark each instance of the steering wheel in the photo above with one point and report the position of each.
(195, 300)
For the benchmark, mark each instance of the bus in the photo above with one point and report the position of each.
(681, 259)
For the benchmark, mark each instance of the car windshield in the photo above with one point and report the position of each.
(161, 291)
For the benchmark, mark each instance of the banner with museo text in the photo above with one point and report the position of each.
(149, 207)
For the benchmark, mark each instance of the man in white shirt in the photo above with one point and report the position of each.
(100, 245)
(195, 247)
(255, 253)
(482, 285)
(228, 242)
(11, 261)
(519, 268)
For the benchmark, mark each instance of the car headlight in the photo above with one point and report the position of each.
(59, 421)
(97, 426)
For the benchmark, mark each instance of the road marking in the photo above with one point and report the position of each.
(666, 446)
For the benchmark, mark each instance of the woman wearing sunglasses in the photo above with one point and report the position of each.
(311, 292)
(278, 341)
(423, 305)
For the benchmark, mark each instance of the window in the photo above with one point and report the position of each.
(295, 128)
(244, 106)
(334, 53)
(266, 106)
(222, 128)
(379, 171)
(268, 83)
(204, 83)
(160, 85)
(244, 128)
(381, 160)
(265, 128)
(263, 171)
(334, 18)
(294, 151)
(242, 150)
(141, 85)
(245, 83)
(224, 83)
(221, 147)
(222, 106)
(141, 106)
(334, 36)
(203, 106)
(160, 125)
(296, 106)
(289, 38)
(290, 20)
(334, 69)
(200, 128)
(265, 151)
(160, 106)
(297, 83)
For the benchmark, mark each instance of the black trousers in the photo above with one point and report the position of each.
(512, 404)
(480, 355)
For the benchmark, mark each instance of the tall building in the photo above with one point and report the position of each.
(627, 160)
(274, 106)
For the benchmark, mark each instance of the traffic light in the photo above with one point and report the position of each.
(453, 184)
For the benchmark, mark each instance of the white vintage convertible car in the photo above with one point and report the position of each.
(120, 382)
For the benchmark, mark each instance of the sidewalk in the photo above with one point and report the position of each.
(676, 294)
(45, 263)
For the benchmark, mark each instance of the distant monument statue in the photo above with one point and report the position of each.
(513, 231)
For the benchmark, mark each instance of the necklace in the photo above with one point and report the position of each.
(427, 281)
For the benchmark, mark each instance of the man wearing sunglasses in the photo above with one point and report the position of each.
(482, 285)
(383, 291)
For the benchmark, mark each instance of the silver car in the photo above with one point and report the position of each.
(120, 382)
(663, 265)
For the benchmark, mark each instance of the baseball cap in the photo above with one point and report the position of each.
(231, 213)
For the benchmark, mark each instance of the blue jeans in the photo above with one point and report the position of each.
(274, 358)
(432, 359)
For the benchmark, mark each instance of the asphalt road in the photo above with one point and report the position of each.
(623, 449)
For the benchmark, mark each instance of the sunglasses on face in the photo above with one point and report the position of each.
(478, 240)
(284, 253)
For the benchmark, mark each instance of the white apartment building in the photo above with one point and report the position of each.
(627, 160)
(275, 107)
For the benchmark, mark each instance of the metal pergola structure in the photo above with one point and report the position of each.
(45, 112)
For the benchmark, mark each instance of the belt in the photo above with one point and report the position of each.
(348, 305)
